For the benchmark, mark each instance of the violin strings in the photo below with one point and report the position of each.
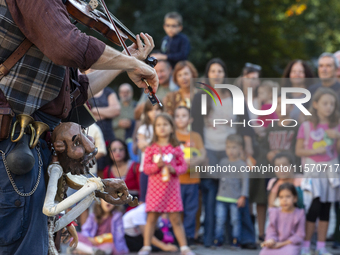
(117, 32)
(117, 21)
(123, 26)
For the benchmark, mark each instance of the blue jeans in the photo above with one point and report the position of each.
(247, 229)
(215, 156)
(189, 193)
(23, 226)
(223, 210)
(209, 189)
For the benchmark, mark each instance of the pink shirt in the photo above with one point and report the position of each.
(317, 137)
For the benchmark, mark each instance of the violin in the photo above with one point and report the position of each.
(109, 26)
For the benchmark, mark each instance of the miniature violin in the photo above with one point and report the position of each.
(108, 25)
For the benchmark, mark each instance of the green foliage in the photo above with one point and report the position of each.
(239, 31)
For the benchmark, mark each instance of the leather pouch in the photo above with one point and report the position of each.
(6, 116)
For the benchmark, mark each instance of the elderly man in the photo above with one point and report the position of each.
(163, 69)
(42, 85)
(124, 124)
(327, 71)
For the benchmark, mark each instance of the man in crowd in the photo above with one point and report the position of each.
(124, 124)
(327, 71)
(163, 69)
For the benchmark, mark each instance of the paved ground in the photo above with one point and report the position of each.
(201, 250)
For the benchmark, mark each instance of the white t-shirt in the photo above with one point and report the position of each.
(215, 137)
(133, 219)
(97, 134)
(147, 131)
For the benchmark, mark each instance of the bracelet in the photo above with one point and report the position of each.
(73, 223)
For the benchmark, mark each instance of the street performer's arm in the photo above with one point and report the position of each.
(46, 24)
(101, 78)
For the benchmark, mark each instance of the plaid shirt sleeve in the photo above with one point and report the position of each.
(46, 24)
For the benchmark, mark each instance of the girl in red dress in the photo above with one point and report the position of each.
(163, 162)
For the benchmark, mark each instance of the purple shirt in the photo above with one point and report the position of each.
(91, 229)
(286, 226)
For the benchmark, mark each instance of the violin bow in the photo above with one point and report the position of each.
(152, 96)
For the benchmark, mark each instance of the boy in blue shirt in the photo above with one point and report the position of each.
(175, 45)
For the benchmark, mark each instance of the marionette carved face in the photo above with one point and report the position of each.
(76, 151)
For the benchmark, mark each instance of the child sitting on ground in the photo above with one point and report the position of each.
(286, 229)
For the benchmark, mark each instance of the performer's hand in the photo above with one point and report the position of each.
(138, 50)
(143, 71)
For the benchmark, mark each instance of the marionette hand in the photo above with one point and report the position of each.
(116, 193)
(333, 134)
(138, 50)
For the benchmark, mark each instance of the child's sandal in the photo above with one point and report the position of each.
(144, 251)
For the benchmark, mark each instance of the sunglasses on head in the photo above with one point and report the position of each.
(250, 65)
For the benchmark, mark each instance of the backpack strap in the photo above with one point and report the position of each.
(6, 66)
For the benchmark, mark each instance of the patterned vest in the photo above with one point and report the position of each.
(34, 80)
